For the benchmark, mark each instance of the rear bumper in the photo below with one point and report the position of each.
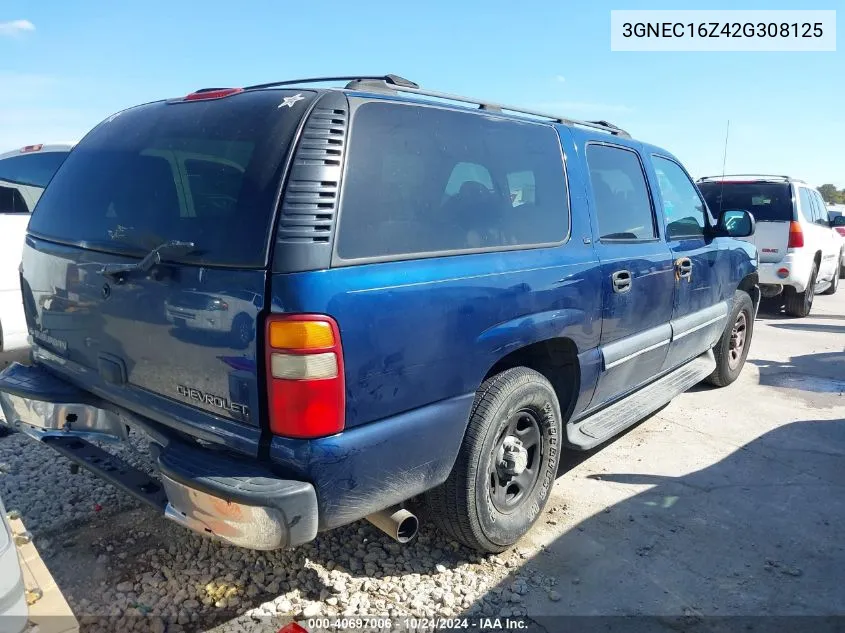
(209, 491)
(798, 272)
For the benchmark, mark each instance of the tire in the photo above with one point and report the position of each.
(241, 332)
(486, 503)
(799, 304)
(732, 349)
(834, 284)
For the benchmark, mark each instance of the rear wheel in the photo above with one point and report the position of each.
(506, 466)
(834, 284)
(799, 304)
(241, 331)
(732, 349)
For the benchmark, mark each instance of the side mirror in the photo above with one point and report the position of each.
(839, 220)
(736, 223)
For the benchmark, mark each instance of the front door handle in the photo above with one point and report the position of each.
(683, 268)
(621, 281)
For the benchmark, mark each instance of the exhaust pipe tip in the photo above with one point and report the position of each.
(399, 524)
(407, 528)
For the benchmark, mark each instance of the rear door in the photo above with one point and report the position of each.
(203, 172)
(698, 313)
(637, 272)
(771, 204)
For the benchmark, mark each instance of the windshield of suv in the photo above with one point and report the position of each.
(203, 171)
(766, 201)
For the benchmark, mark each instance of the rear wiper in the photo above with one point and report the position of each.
(171, 248)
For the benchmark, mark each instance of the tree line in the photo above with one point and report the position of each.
(832, 195)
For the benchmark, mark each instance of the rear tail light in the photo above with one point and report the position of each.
(840, 230)
(305, 383)
(796, 235)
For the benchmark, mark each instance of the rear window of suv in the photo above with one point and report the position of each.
(766, 201)
(428, 180)
(33, 170)
(205, 172)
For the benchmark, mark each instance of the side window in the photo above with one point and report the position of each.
(623, 204)
(425, 180)
(682, 205)
(808, 209)
(823, 216)
(11, 201)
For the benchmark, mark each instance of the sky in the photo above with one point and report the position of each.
(65, 66)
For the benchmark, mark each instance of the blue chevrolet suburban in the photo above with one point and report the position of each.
(319, 304)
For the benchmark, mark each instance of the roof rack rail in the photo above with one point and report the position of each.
(392, 80)
(395, 83)
(766, 176)
(376, 83)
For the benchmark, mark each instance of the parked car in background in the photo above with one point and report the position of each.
(837, 219)
(24, 173)
(445, 293)
(799, 253)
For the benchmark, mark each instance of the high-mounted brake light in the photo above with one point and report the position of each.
(796, 235)
(31, 148)
(305, 383)
(212, 93)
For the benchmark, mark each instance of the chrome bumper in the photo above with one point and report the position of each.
(210, 492)
(40, 419)
(254, 527)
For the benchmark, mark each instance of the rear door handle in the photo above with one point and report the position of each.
(621, 281)
(683, 268)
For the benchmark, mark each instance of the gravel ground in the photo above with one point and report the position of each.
(38, 481)
(117, 561)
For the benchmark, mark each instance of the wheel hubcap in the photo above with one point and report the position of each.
(737, 343)
(514, 464)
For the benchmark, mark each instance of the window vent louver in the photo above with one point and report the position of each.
(311, 196)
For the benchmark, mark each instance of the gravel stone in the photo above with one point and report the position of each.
(179, 580)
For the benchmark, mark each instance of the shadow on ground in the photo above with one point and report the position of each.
(820, 373)
(810, 327)
(761, 532)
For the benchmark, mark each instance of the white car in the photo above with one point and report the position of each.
(799, 252)
(229, 313)
(13, 608)
(24, 173)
